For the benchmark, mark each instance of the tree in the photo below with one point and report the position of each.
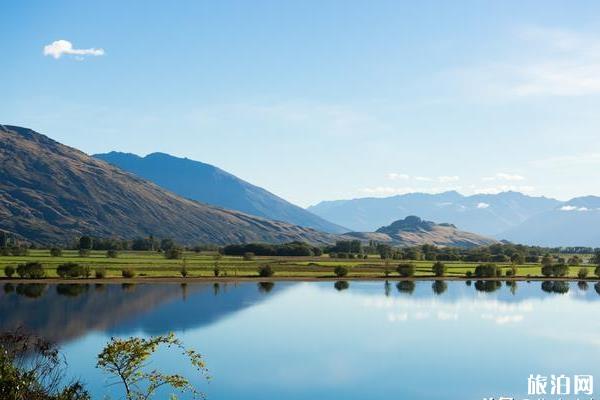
(174, 253)
(406, 269)
(340, 271)
(265, 271)
(547, 260)
(31, 270)
(56, 252)
(32, 369)
(86, 243)
(167, 244)
(582, 273)
(112, 253)
(439, 269)
(9, 271)
(517, 258)
(127, 359)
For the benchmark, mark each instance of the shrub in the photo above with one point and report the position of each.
(84, 252)
(9, 271)
(406, 269)
(555, 270)
(469, 274)
(340, 271)
(112, 253)
(100, 273)
(183, 271)
(265, 271)
(597, 271)
(128, 273)
(486, 270)
(56, 252)
(248, 256)
(582, 273)
(72, 270)
(31, 270)
(19, 251)
(216, 270)
(173, 253)
(439, 269)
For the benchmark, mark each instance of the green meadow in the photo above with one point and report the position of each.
(203, 265)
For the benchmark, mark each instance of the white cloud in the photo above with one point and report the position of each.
(571, 66)
(394, 176)
(423, 179)
(59, 47)
(503, 176)
(482, 205)
(445, 179)
(573, 208)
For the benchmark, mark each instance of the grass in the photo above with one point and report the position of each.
(154, 264)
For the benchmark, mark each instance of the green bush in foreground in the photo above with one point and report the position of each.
(439, 269)
(265, 271)
(9, 271)
(340, 271)
(128, 273)
(31, 270)
(100, 273)
(582, 273)
(406, 269)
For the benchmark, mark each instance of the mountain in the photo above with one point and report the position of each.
(51, 193)
(413, 231)
(574, 223)
(486, 214)
(208, 184)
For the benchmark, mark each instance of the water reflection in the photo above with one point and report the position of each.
(308, 341)
(560, 287)
(439, 287)
(406, 287)
(265, 287)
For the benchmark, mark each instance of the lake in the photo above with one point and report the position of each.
(326, 340)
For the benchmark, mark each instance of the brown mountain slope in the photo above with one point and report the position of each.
(52, 193)
(413, 231)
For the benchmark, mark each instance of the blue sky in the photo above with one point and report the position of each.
(321, 100)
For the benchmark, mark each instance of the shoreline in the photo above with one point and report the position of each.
(228, 279)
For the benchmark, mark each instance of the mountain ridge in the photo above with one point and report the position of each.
(209, 184)
(52, 193)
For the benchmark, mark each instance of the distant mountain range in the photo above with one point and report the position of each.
(211, 185)
(52, 193)
(413, 231)
(510, 215)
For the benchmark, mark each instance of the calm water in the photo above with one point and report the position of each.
(356, 340)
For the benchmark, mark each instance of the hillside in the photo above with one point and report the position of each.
(486, 214)
(211, 185)
(413, 231)
(51, 193)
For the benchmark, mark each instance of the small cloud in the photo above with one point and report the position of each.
(423, 179)
(445, 179)
(482, 205)
(502, 176)
(59, 47)
(395, 177)
(573, 208)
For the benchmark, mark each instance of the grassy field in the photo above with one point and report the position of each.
(153, 264)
